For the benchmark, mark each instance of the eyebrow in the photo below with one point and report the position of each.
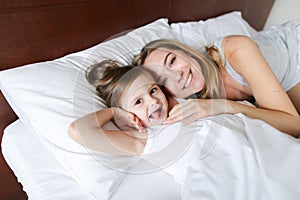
(166, 58)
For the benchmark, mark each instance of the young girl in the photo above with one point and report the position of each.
(234, 69)
(134, 100)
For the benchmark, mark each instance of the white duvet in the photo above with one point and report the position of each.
(251, 160)
(228, 157)
(234, 157)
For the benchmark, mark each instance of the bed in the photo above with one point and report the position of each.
(64, 32)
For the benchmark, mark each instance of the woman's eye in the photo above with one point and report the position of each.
(153, 90)
(139, 101)
(172, 61)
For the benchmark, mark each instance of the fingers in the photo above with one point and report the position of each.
(137, 124)
(178, 116)
(186, 112)
(128, 121)
(184, 117)
(140, 127)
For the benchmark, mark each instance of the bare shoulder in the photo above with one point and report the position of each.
(241, 52)
(232, 44)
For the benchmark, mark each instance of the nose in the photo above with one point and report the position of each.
(152, 100)
(178, 76)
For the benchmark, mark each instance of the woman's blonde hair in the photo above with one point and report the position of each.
(111, 80)
(208, 66)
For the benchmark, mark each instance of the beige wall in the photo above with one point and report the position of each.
(282, 11)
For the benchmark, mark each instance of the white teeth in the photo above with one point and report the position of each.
(188, 81)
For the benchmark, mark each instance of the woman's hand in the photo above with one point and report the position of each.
(127, 121)
(194, 109)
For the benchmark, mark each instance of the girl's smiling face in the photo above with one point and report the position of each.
(181, 74)
(146, 100)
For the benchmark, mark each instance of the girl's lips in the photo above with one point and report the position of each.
(155, 113)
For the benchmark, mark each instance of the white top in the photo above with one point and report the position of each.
(279, 45)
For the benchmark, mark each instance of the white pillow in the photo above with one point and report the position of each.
(198, 34)
(48, 96)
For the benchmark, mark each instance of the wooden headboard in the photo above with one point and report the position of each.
(34, 30)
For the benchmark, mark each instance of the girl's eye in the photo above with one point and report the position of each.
(139, 101)
(153, 90)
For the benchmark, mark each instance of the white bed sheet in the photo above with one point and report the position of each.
(250, 160)
(44, 178)
(234, 157)
(41, 175)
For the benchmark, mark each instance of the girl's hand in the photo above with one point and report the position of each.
(127, 121)
(194, 109)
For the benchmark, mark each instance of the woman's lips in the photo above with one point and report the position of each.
(188, 81)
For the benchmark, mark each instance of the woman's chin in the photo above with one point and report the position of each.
(186, 92)
(192, 92)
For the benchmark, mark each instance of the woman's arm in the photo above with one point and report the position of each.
(274, 105)
(89, 131)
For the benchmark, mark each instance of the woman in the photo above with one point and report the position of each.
(232, 70)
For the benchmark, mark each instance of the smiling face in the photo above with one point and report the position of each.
(146, 100)
(181, 74)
